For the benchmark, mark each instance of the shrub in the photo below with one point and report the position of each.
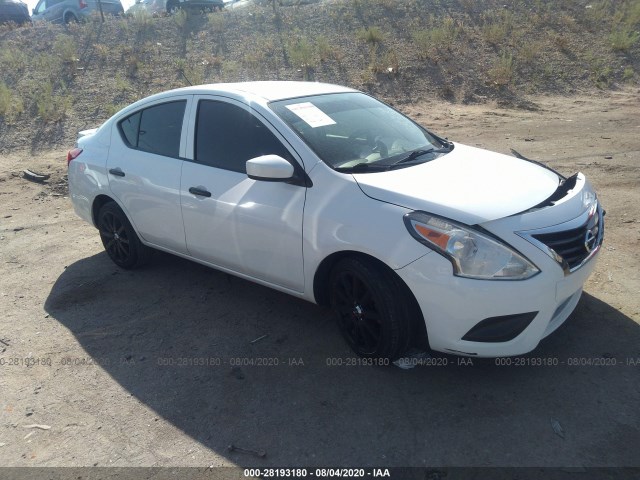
(6, 99)
(628, 74)
(121, 84)
(502, 71)
(325, 51)
(300, 53)
(623, 39)
(497, 26)
(12, 59)
(216, 22)
(50, 107)
(230, 70)
(600, 72)
(142, 21)
(529, 51)
(439, 38)
(371, 35)
(64, 47)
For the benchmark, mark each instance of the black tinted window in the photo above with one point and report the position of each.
(155, 129)
(227, 136)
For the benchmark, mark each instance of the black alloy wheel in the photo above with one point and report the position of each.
(119, 238)
(371, 307)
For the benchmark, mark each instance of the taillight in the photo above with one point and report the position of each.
(83, 4)
(73, 154)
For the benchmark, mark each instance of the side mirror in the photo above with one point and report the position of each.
(270, 168)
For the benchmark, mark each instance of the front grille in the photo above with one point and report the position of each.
(574, 245)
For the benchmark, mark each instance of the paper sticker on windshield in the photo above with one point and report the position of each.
(311, 114)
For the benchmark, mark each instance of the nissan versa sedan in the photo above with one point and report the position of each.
(327, 194)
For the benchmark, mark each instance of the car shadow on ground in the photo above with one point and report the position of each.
(178, 336)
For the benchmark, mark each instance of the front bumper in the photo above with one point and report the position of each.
(452, 306)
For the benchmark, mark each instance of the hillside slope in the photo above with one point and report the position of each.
(56, 80)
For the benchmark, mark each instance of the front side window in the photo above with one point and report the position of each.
(352, 130)
(155, 129)
(227, 136)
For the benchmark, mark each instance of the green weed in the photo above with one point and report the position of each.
(502, 71)
(51, 107)
(371, 35)
(623, 39)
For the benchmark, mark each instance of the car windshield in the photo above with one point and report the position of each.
(355, 132)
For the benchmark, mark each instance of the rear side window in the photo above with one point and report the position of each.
(129, 128)
(227, 136)
(155, 129)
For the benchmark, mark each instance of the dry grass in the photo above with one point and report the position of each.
(370, 35)
(502, 71)
(623, 39)
(378, 45)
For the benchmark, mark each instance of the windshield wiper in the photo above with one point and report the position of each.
(418, 153)
(363, 166)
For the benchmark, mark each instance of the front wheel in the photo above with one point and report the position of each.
(371, 307)
(120, 239)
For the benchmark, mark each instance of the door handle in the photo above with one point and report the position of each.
(200, 192)
(117, 172)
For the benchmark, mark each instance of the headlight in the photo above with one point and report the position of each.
(473, 254)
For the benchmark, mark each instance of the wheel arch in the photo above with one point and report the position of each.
(102, 199)
(321, 290)
(71, 15)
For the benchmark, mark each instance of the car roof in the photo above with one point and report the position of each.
(270, 90)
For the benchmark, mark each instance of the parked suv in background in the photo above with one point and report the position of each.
(14, 11)
(73, 10)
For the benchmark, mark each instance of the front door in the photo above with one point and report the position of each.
(248, 226)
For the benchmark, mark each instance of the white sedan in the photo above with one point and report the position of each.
(327, 194)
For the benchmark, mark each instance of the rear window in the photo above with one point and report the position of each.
(155, 129)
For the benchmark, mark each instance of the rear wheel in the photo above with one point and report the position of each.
(70, 18)
(120, 239)
(371, 307)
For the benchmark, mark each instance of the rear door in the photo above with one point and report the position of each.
(144, 166)
(248, 226)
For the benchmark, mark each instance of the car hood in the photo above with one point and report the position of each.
(470, 185)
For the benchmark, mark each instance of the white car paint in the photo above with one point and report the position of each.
(278, 234)
(469, 185)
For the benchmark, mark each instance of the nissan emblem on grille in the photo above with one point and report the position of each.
(590, 239)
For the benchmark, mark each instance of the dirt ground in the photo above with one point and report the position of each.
(149, 367)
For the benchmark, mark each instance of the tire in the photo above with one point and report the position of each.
(372, 308)
(119, 239)
(70, 18)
